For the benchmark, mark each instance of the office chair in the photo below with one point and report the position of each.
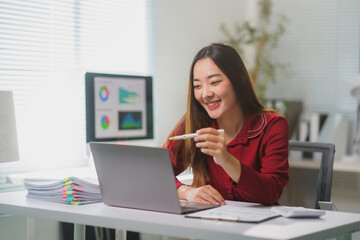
(324, 176)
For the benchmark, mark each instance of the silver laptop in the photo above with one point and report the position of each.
(139, 177)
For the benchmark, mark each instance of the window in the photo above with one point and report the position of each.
(45, 49)
(322, 45)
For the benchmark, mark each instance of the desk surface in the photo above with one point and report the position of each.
(331, 224)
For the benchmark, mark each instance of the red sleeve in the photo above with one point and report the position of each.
(265, 186)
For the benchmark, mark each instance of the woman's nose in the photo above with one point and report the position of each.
(207, 93)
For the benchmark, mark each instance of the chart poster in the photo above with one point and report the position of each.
(120, 107)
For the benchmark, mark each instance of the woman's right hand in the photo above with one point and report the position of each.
(204, 194)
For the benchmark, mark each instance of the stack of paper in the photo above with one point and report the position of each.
(71, 190)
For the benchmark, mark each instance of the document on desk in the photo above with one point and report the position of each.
(71, 190)
(235, 214)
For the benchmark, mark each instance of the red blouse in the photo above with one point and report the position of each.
(262, 149)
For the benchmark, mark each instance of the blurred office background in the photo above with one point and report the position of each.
(47, 46)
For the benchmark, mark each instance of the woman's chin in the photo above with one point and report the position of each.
(213, 115)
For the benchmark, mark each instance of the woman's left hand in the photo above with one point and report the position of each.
(212, 142)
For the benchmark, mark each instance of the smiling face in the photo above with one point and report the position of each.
(213, 90)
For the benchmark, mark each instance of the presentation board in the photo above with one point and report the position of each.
(118, 107)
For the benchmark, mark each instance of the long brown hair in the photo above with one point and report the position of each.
(230, 63)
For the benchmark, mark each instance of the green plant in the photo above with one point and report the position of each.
(264, 40)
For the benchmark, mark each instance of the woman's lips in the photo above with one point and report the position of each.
(213, 105)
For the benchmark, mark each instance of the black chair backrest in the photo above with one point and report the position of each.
(323, 189)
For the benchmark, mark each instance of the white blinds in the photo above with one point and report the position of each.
(322, 45)
(46, 46)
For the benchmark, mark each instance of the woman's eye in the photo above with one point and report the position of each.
(215, 82)
(196, 86)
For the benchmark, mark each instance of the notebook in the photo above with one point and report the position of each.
(139, 177)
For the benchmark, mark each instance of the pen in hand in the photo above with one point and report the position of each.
(190, 135)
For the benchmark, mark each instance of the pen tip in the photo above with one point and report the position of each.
(172, 138)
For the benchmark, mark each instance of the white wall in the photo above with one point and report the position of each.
(182, 29)
(322, 45)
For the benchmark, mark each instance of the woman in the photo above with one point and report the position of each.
(249, 161)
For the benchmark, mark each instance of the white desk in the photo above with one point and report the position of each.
(332, 224)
